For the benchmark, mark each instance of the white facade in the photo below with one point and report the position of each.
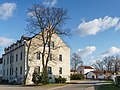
(15, 63)
(101, 76)
(85, 69)
(0, 70)
(95, 75)
(91, 75)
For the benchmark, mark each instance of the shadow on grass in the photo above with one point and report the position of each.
(106, 87)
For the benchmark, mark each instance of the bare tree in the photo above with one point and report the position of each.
(42, 24)
(116, 64)
(107, 62)
(98, 65)
(76, 61)
(110, 63)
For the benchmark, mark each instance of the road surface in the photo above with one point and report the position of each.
(86, 85)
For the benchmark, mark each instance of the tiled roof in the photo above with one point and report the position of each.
(86, 67)
(73, 70)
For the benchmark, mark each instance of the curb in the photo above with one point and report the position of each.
(59, 87)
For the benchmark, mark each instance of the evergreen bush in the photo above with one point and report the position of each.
(45, 79)
(117, 81)
(60, 80)
(36, 78)
(77, 76)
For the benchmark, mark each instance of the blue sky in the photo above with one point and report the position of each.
(95, 25)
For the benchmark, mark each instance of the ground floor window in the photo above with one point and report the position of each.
(49, 70)
(60, 70)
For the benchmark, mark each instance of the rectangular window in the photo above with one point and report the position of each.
(38, 55)
(3, 72)
(50, 57)
(49, 70)
(16, 72)
(10, 71)
(7, 59)
(21, 70)
(7, 71)
(60, 70)
(21, 55)
(60, 57)
(37, 69)
(12, 58)
(52, 44)
(4, 61)
(16, 57)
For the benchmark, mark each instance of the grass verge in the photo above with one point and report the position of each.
(110, 86)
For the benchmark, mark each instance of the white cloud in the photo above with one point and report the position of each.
(7, 10)
(86, 51)
(92, 60)
(98, 25)
(111, 51)
(50, 2)
(5, 41)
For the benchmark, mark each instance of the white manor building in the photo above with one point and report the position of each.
(15, 63)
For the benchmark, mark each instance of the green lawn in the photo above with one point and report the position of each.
(106, 87)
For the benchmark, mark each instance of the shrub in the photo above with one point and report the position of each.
(60, 80)
(117, 81)
(77, 76)
(36, 78)
(45, 79)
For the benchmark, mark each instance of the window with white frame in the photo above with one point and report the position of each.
(21, 55)
(38, 55)
(49, 70)
(50, 57)
(60, 70)
(20, 69)
(60, 57)
(37, 69)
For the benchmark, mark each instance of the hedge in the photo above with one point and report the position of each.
(60, 80)
(117, 81)
(77, 76)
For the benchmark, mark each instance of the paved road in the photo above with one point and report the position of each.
(89, 85)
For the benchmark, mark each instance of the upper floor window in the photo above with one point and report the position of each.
(49, 70)
(20, 69)
(7, 71)
(52, 45)
(50, 57)
(4, 61)
(16, 57)
(60, 70)
(3, 72)
(12, 58)
(21, 55)
(38, 55)
(10, 71)
(7, 59)
(60, 57)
